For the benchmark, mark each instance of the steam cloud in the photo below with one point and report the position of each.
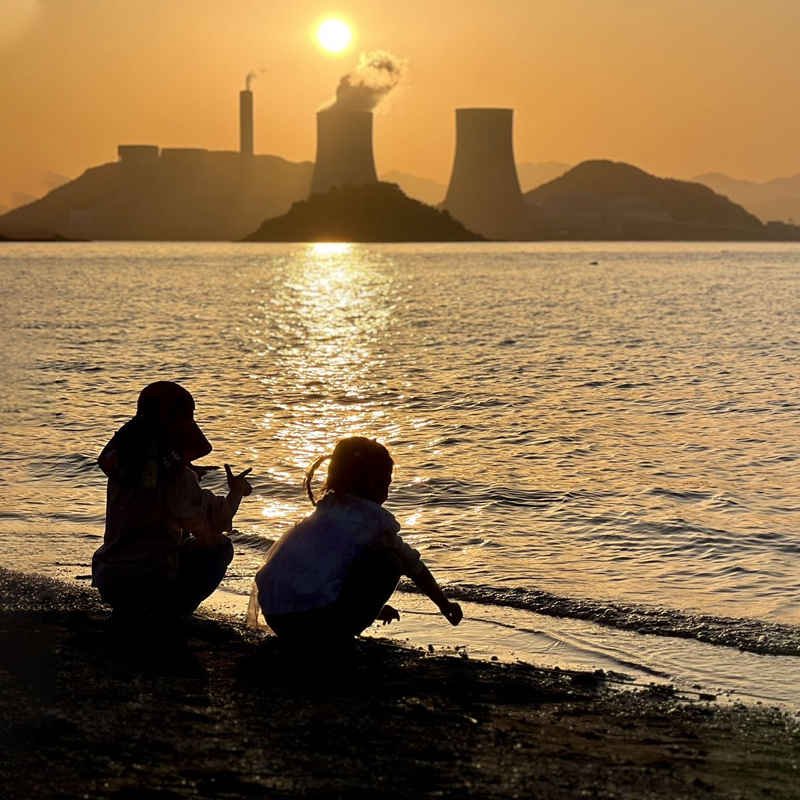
(252, 76)
(369, 84)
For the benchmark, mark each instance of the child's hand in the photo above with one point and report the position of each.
(452, 613)
(387, 614)
(237, 483)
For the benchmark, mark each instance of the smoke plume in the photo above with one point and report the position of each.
(368, 86)
(252, 76)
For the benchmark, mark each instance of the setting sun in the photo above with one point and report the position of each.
(334, 35)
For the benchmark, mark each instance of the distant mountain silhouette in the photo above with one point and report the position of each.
(21, 199)
(53, 180)
(426, 191)
(777, 199)
(627, 201)
(532, 176)
(174, 194)
(377, 212)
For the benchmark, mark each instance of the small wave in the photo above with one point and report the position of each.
(659, 491)
(450, 492)
(66, 467)
(252, 541)
(751, 635)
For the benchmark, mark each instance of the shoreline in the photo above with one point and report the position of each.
(729, 674)
(214, 709)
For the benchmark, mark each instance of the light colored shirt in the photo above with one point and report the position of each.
(306, 567)
(144, 527)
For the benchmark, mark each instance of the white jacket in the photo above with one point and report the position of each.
(305, 568)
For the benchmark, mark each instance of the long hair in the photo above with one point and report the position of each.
(355, 463)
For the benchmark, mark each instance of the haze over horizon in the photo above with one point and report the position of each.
(677, 88)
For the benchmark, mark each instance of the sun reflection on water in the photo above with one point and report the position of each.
(335, 311)
(330, 248)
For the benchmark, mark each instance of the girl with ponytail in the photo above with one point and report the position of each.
(329, 577)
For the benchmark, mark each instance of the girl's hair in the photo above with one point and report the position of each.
(355, 461)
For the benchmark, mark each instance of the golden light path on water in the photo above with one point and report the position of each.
(334, 315)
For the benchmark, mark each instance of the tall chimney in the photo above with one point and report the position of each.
(344, 150)
(484, 192)
(246, 126)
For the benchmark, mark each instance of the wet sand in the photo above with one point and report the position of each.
(214, 710)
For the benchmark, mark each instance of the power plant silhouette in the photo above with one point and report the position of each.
(344, 150)
(484, 192)
(246, 132)
(192, 193)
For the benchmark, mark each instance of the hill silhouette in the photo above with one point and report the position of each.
(180, 195)
(778, 199)
(376, 212)
(533, 175)
(604, 182)
(426, 191)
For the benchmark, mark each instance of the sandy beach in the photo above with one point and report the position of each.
(215, 710)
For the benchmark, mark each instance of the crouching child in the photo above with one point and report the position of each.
(164, 549)
(329, 577)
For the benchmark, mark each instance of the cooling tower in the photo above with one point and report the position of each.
(484, 191)
(344, 150)
(246, 125)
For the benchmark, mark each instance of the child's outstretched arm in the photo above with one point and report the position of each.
(200, 511)
(414, 568)
(238, 487)
(423, 578)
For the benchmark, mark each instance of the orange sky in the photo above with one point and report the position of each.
(677, 87)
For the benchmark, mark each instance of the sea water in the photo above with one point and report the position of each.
(597, 445)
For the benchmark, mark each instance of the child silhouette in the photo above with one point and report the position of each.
(164, 550)
(329, 577)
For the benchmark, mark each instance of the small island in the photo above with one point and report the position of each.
(376, 212)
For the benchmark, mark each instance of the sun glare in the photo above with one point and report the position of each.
(334, 35)
(331, 248)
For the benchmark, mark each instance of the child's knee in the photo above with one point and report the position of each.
(224, 550)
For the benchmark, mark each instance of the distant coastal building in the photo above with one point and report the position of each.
(169, 193)
(174, 193)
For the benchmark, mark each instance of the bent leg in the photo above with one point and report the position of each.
(140, 591)
(370, 582)
(200, 572)
(313, 626)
